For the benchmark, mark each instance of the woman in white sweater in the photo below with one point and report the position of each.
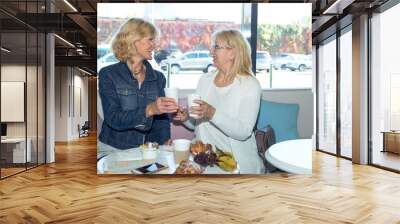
(230, 101)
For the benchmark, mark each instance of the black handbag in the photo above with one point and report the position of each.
(265, 137)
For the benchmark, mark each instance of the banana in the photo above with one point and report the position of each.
(218, 151)
(228, 154)
(223, 153)
(225, 160)
(231, 162)
(224, 166)
(227, 163)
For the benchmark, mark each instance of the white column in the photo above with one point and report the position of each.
(314, 93)
(360, 90)
(50, 101)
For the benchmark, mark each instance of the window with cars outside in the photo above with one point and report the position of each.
(283, 58)
(284, 51)
(183, 48)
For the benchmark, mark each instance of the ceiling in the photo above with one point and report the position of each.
(75, 22)
(330, 15)
(76, 25)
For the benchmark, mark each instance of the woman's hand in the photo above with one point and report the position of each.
(168, 142)
(161, 105)
(204, 110)
(182, 115)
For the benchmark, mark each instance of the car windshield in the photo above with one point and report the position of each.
(203, 55)
(191, 56)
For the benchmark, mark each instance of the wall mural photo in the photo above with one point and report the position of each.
(181, 93)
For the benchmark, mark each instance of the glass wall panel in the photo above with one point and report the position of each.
(22, 89)
(284, 57)
(31, 97)
(13, 87)
(31, 88)
(385, 83)
(41, 79)
(346, 94)
(327, 96)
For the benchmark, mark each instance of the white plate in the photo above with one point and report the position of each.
(126, 155)
(216, 170)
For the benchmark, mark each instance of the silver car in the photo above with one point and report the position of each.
(191, 60)
(301, 62)
(263, 61)
(281, 61)
(293, 62)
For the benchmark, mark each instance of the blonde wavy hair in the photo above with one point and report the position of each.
(234, 39)
(132, 30)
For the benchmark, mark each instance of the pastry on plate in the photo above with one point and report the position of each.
(188, 167)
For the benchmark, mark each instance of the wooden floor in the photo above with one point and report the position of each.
(10, 171)
(387, 159)
(70, 191)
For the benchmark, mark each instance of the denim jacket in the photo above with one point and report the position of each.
(124, 104)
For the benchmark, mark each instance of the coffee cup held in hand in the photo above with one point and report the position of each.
(191, 103)
(172, 93)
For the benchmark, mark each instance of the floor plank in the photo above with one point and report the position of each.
(70, 191)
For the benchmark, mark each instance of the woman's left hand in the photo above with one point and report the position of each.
(204, 110)
(168, 142)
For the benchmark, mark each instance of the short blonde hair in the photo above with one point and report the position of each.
(235, 39)
(132, 30)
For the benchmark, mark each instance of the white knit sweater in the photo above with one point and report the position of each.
(231, 128)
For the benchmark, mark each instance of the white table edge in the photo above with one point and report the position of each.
(286, 166)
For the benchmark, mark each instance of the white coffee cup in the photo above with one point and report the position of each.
(170, 158)
(191, 98)
(172, 93)
(181, 149)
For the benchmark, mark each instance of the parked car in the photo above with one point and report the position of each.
(263, 61)
(293, 62)
(281, 61)
(164, 54)
(192, 60)
(161, 55)
(110, 59)
(300, 62)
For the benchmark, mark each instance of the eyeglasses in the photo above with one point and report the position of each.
(216, 47)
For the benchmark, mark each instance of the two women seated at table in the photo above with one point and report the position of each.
(135, 107)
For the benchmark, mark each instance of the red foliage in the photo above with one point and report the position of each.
(186, 34)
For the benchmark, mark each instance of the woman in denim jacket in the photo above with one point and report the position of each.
(132, 93)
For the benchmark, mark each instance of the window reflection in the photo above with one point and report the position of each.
(327, 97)
(346, 94)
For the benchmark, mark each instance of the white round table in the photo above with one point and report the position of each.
(293, 156)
